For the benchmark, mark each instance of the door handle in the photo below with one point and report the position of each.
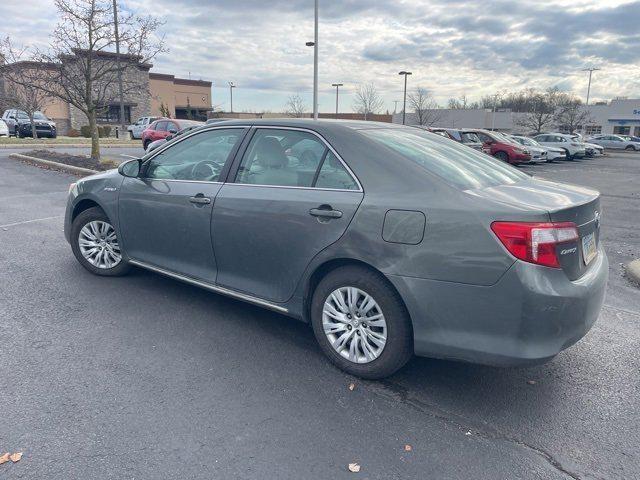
(325, 211)
(200, 199)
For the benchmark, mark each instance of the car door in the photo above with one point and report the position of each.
(616, 142)
(280, 207)
(165, 213)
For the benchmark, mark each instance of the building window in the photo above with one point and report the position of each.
(592, 130)
(620, 130)
(111, 114)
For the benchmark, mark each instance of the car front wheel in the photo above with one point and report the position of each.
(95, 244)
(361, 323)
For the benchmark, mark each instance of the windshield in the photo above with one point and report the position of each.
(469, 137)
(36, 116)
(458, 165)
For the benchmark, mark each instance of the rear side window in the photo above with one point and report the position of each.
(456, 164)
(334, 175)
(292, 158)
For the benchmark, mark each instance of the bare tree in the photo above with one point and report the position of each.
(80, 67)
(20, 90)
(295, 106)
(541, 112)
(367, 100)
(425, 107)
(571, 114)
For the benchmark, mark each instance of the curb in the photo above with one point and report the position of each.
(633, 270)
(58, 166)
(33, 146)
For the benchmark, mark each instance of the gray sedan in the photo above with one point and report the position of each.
(391, 242)
(615, 142)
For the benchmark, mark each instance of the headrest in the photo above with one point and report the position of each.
(270, 153)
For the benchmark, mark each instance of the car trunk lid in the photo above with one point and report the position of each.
(564, 203)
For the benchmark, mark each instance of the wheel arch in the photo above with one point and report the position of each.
(82, 205)
(323, 269)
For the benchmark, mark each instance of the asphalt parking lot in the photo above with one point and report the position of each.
(143, 377)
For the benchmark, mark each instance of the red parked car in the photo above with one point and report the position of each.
(163, 127)
(501, 147)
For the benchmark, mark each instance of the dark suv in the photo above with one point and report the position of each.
(19, 124)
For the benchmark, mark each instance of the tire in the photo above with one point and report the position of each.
(145, 144)
(630, 148)
(84, 219)
(569, 156)
(502, 156)
(398, 348)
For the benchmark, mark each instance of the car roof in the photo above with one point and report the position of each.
(310, 123)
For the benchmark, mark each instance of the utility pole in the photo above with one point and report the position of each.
(337, 85)
(493, 117)
(315, 63)
(590, 70)
(231, 87)
(123, 128)
(404, 101)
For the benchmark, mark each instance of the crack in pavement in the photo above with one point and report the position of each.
(391, 390)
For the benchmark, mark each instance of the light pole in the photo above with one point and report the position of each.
(590, 70)
(493, 117)
(404, 101)
(337, 85)
(231, 87)
(314, 44)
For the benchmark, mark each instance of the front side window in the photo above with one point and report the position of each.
(199, 157)
(456, 164)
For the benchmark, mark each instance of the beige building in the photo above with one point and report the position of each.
(154, 94)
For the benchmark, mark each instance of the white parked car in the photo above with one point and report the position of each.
(537, 151)
(572, 148)
(553, 153)
(135, 130)
(4, 130)
(615, 142)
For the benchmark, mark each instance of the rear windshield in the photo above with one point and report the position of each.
(457, 164)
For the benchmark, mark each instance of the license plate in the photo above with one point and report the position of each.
(589, 250)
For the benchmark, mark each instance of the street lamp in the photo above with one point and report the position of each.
(314, 44)
(590, 70)
(231, 87)
(404, 101)
(337, 85)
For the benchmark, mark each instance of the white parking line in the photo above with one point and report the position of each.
(29, 221)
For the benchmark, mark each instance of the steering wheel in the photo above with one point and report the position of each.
(205, 170)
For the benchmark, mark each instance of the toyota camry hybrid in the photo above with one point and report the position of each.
(389, 240)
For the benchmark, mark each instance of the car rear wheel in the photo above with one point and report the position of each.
(502, 156)
(569, 156)
(361, 323)
(95, 244)
(630, 147)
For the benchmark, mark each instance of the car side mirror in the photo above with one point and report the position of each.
(130, 168)
(172, 131)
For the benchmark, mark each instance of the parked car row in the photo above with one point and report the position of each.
(617, 142)
(543, 147)
(18, 124)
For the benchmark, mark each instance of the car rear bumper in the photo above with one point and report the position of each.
(530, 315)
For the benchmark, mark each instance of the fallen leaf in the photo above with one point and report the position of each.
(352, 386)
(408, 448)
(468, 432)
(4, 458)
(354, 467)
(531, 382)
(16, 457)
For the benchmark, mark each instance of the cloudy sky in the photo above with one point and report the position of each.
(453, 47)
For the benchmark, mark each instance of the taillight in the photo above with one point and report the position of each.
(535, 242)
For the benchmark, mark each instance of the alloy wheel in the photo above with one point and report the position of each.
(354, 324)
(99, 245)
